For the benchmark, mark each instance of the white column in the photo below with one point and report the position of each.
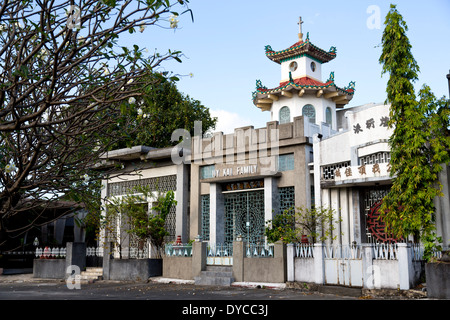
(290, 262)
(334, 193)
(404, 265)
(343, 207)
(271, 198)
(182, 196)
(217, 214)
(319, 263)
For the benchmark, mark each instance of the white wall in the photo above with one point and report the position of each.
(297, 103)
(303, 69)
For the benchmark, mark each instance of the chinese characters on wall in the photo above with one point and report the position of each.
(370, 124)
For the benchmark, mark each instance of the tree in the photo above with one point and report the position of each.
(317, 223)
(160, 110)
(419, 143)
(64, 80)
(145, 224)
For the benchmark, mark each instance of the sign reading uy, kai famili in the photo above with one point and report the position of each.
(235, 171)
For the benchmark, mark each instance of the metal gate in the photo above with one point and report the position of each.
(343, 265)
(244, 216)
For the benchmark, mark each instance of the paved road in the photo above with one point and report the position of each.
(111, 290)
(177, 300)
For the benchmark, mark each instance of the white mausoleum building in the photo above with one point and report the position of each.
(314, 151)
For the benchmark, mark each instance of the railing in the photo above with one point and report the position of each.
(385, 251)
(94, 252)
(219, 254)
(417, 251)
(303, 250)
(259, 250)
(349, 251)
(183, 250)
(51, 253)
(219, 250)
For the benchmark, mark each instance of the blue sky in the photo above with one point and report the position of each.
(224, 48)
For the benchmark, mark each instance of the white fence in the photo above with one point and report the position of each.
(395, 266)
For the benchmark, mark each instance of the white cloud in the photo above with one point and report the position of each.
(227, 121)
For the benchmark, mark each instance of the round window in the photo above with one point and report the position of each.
(313, 66)
(293, 66)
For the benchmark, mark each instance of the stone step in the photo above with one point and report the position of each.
(217, 273)
(219, 268)
(213, 281)
(94, 269)
(91, 275)
(215, 276)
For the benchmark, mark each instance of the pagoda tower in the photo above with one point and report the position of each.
(301, 90)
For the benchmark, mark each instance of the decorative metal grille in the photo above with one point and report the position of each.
(287, 198)
(328, 171)
(244, 215)
(171, 221)
(205, 209)
(164, 183)
(379, 157)
(285, 115)
(375, 228)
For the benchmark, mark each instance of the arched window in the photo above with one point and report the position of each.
(285, 115)
(310, 112)
(328, 116)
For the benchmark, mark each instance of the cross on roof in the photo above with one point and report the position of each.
(300, 22)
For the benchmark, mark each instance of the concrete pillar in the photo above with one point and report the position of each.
(76, 254)
(217, 214)
(404, 265)
(319, 263)
(279, 253)
(182, 196)
(107, 252)
(238, 260)
(290, 262)
(371, 276)
(198, 257)
(271, 198)
(195, 207)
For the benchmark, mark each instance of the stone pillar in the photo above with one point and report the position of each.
(182, 196)
(319, 263)
(290, 262)
(238, 260)
(76, 254)
(404, 265)
(279, 253)
(198, 257)
(107, 252)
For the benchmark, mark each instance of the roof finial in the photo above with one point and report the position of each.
(300, 35)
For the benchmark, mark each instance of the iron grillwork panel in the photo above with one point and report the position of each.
(244, 216)
(163, 184)
(205, 209)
